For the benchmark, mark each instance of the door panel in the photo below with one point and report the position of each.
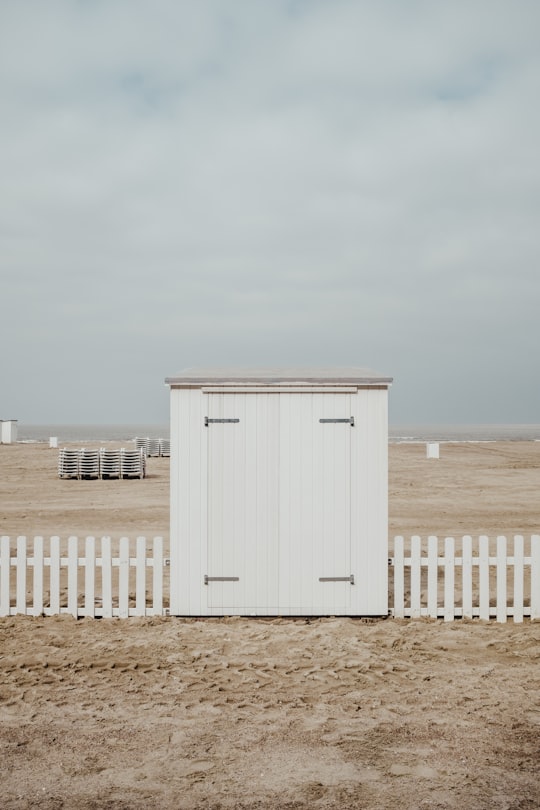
(243, 501)
(315, 527)
(279, 502)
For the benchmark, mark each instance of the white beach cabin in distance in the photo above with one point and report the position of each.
(279, 492)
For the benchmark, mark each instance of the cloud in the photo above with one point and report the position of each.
(309, 182)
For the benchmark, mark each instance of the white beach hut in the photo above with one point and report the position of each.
(8, 431)
(279, 492)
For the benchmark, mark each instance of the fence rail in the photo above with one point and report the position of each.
(439, 578)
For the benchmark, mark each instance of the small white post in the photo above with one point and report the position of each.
(432, 449)
(53, 441)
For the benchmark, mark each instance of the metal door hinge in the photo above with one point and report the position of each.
(338, 579)
(208, 421)
(348, 421)
(208, 579)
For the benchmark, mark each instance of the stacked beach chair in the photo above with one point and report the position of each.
(154, 447)
(142, 444)
(133, 463)
(103, 463)
(89, 463)
(68, 463)
(110, 463)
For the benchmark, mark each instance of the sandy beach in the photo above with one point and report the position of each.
(243, 713)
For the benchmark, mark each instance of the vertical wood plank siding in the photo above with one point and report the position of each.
(279, 501)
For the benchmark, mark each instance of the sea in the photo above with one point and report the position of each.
(397, 433)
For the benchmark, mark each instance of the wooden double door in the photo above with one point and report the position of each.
(279, 502)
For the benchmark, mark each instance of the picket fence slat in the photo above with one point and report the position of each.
(106, 578)
(483, 577)
(73, 575)
(466, 577)
(55, 575)
(449, 569)
(415, 577)
(38, 576)
(5, 565)
(20, 603)
(535, 576)
(433, 555)
(90, 578)
(518, 577)
(123, 585)
(399, 579)
(467, 581)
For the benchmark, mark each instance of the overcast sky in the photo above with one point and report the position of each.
(240, 182)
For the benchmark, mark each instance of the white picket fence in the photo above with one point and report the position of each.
(471, 578)
(438, 578)
(108, 581)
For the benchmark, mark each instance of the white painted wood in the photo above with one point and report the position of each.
(158, 574)
(415, 576)
(432, 449)
(20, 602)
(315, 504)
(243, 503)
(466, 574)
(106, 577)
(123, 578)
(369, 503)
(518, 578)
(266, 482)
(5, 575)
(483, 576)
(449, 579)
(399, 578)
(140, 577)
(188, 503)
(90, 577)
(501, 579)
(433, 580)
(415, 562)
(38, 576)
(54, 575)
(280, 389)
(535, 576)
(73, 570)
